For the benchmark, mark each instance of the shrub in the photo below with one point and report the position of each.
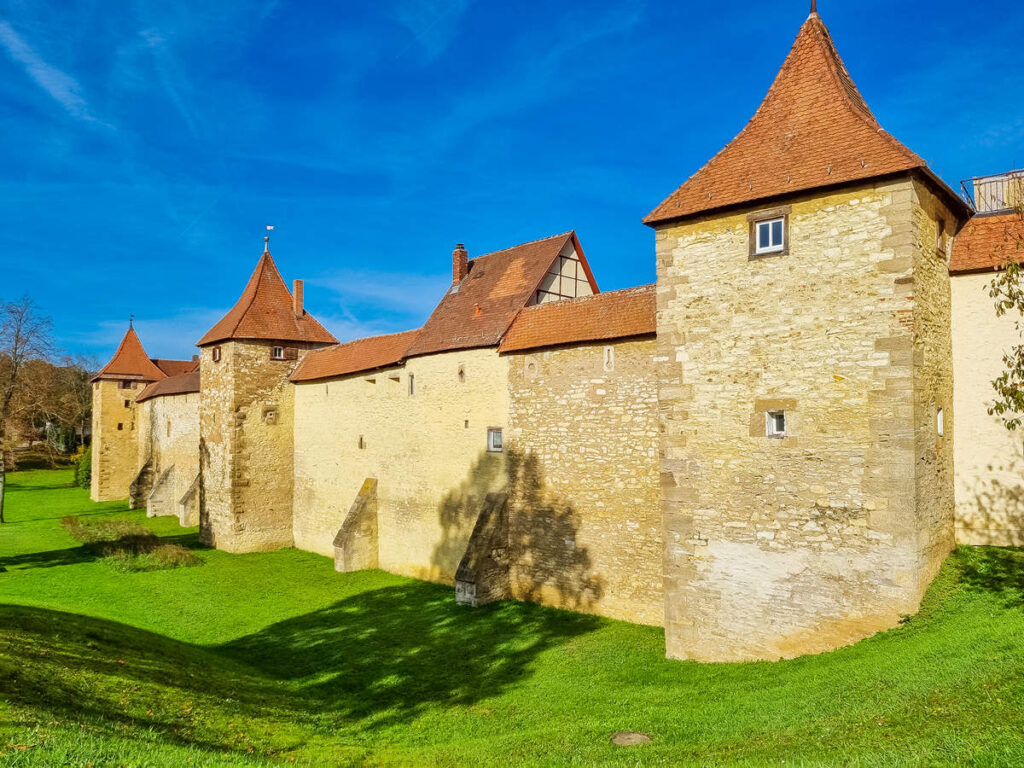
(128, 546)
(161, 558)
(83, 469)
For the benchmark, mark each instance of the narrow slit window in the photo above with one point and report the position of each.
(215, 354)
(775, 424)
(940, 422)
(412, 385)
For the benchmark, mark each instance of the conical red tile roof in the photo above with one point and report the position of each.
(265, 311)
(813, 129)
(131, 360)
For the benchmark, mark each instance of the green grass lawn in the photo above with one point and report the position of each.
(268, 658)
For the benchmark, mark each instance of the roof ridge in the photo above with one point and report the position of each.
(365, 338)
(848, 89)
(591, 297)
(528, 242)
(254, 280)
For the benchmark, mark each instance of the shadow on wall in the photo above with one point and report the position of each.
(546, 562)
(996, 505)
(386, 655)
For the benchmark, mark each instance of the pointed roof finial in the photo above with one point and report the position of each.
(131, 321)
(814, 7)
(266, 239)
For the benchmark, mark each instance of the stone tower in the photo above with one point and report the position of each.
(115, 443)
(246, 413)
(805, 375)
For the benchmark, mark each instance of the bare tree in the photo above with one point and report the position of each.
(1007, 288)
(24, 337)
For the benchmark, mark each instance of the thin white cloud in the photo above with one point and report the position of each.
(171, 77)
(432, 22)
(63, 88)
(395, 293)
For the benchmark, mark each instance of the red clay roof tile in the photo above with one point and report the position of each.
(183, 384)
(130, 361)
(176, 367)
(265, 311)
(496, 287)
(355, 356)
(604, 316)
(988, 242)
(813, 129)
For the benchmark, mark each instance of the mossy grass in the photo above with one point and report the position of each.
(275, 658)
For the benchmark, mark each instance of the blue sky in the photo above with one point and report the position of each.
(146, 144)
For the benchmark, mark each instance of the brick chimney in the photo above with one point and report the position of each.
(460, 263)
(297, 298)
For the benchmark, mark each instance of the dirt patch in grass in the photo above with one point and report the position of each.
(127, 546)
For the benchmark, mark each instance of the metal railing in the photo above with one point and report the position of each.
(994, 194)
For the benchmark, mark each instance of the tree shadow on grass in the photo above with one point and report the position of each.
(86, 553)
(997, 570)
(386, 655)
(81, 669)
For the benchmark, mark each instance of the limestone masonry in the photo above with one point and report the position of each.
(769, 452)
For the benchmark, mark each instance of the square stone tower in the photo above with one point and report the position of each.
(115, 438)
(805, 376)
(246, 413)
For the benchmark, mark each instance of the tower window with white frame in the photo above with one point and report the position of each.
(771, 236)
(775, 424)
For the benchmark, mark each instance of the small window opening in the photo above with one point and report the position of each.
(168, 427)
(466, 425)
(940, 236)
(494, 440)
(412, 385)
(775, 424)
(120, 426)
(609, 358)
(362, 443)
(462, 374)
(270, 416)
(277, 353)
(215, 354)
(770, 236)
(940, 422)
(127, 403)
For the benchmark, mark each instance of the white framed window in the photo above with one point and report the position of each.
(277, 353)
(494, 439)
(770, 236)
(775, 424)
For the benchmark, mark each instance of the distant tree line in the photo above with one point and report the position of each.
(45, 396)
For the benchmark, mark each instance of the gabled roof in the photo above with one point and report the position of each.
(176, 367)
(361, 355)
(604, 316)
(183, 384)
(812, 130)
(988, 242)
(495, 288)
(265, 311)
(130, 361)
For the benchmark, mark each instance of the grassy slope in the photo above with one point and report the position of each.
(271, 657)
